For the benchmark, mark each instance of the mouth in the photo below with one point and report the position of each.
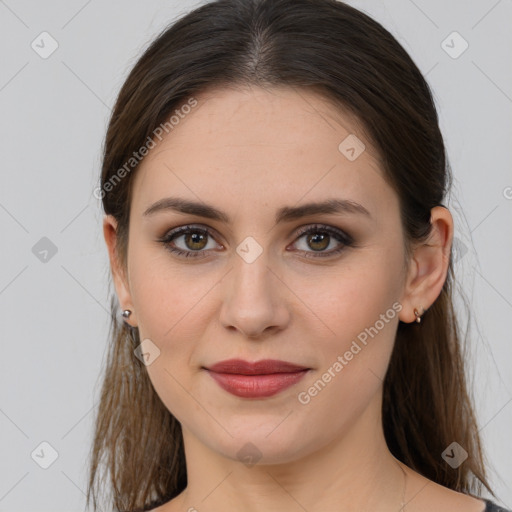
(258, 379)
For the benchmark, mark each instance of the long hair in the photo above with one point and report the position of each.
(351, 60)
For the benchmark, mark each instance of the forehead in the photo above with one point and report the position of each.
(263, 147)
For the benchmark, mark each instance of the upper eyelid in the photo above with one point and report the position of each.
(182, 230)
(301, 230)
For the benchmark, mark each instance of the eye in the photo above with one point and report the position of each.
(319, 238)
(194, 241)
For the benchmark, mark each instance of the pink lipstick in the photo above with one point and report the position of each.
(260, 379)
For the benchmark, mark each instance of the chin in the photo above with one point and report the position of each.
(258, 444)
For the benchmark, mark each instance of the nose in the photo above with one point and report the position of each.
(254, 299)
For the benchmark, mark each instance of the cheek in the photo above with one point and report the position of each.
(172, 301)
(352, 299)
(354, 360)
(167, 295)
(360, 308)
(168, 306)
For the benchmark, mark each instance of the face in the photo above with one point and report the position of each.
(320, 289)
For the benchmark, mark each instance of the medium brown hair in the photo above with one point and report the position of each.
(350, 59)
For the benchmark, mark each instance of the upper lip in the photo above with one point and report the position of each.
(262, 367)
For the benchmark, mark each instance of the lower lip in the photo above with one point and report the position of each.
(256, 386)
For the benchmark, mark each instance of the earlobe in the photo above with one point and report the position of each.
(429, 267)
(118, 272)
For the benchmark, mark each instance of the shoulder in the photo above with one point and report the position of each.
(492, 507)
(427, 495)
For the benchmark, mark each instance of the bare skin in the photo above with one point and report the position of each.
(249, 153)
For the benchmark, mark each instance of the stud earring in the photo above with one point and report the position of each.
(418, 315)
(126, 313)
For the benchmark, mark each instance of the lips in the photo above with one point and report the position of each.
(258, 379)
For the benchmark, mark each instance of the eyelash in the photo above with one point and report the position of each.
(337, 234)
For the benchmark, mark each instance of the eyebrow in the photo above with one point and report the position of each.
(284, 214)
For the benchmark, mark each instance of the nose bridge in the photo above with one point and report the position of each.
(251, 269)
(252, 300)
(250, 285)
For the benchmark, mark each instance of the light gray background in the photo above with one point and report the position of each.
(54, 314)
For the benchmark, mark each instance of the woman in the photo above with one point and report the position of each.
(273, 182)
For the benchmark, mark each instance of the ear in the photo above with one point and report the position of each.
(119, 275)
(428, 266)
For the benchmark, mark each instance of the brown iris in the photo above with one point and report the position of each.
(197, 240)
(318, 241)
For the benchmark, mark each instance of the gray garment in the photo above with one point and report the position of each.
(492, 507)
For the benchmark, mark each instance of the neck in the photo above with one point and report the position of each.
(353, 472)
